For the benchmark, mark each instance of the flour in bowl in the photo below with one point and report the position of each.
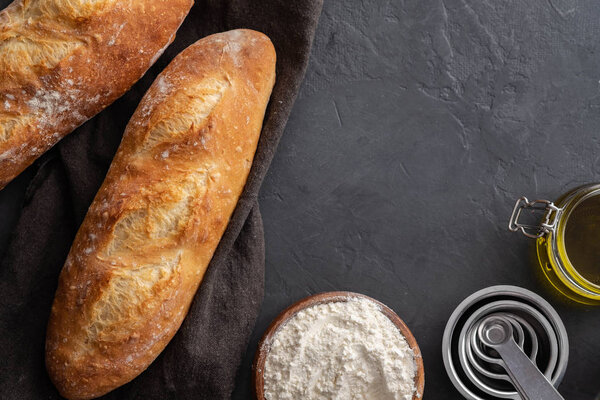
(339, 350)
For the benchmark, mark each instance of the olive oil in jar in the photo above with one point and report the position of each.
(582, 239)
(567, 241)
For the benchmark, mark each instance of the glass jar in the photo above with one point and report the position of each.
(567, 241)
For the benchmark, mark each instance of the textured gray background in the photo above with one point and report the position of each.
(418, 125)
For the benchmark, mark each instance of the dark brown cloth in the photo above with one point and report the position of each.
(202, 360)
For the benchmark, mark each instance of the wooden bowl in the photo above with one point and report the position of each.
(265, 343)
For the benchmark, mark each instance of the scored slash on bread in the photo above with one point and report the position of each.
(155, 223)
(63, 61)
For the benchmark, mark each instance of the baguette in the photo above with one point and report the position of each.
(63, 61)
(151, 231)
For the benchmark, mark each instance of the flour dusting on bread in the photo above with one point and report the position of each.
(63, 61)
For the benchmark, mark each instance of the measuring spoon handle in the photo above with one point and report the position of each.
(529, 381)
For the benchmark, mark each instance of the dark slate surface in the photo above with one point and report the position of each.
(418, 125)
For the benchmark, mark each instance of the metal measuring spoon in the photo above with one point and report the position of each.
(496, 333)
(475, 354)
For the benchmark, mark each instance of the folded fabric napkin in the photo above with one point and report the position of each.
(202, 360)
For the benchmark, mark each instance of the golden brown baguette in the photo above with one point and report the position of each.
(151, 231)
(63, 61)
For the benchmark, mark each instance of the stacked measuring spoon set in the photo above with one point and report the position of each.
(505, 342)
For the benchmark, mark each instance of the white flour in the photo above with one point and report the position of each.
(339, 350)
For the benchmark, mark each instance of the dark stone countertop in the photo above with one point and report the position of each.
(417, 127)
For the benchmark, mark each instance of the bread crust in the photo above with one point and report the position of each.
(155, 223)
(63, 61)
